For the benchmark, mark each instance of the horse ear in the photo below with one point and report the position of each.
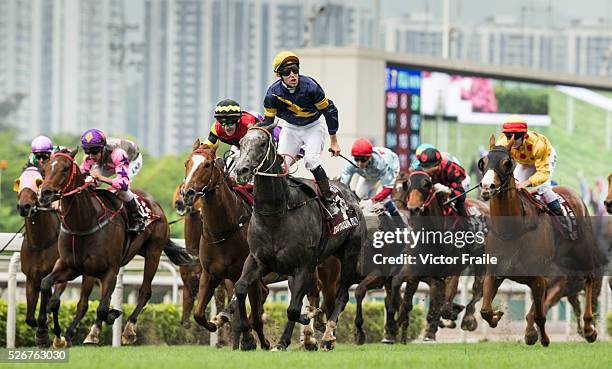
(16, 184)
(74, 152)
(491, 141)
(196, 143)
(510, 143)
(481, 164)
(38, 182)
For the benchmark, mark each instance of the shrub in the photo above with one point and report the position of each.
(161, 324)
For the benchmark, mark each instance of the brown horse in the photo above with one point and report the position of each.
(93, 240)
(222, 246)
(524, 243)
(608, 204)
(38, 255)
(449, 310)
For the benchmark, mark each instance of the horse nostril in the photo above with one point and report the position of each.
(243, 170)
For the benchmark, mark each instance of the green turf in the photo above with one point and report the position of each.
(422, 356)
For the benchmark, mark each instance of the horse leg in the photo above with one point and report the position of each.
(152, 255)
(490, 286)
(251, 272)
(61, 273)
(314, 300)
(536, 313)
(392, 307)
(404, 311)
(299, 287)
(436, 297)
(32, 292)
(53, 307)
(590, 333)
(82, 306)
(107, 286)
(469, 322)
(448, 311)
(208, 284)
(573, 300)
(258, 293)
(190, 282)
(360, 293)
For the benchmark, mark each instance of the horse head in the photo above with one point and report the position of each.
(497, 168)
(202, 174)
(61, 176)
(27, 186)
(257, 151)
(608, 200)
(420, 192)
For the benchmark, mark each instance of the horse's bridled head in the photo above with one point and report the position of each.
(256, 148)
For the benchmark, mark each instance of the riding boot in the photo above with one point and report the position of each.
(326, 192)
(136, 220)
(566, 222)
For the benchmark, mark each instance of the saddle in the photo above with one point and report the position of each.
(570, 231)
(346, 218)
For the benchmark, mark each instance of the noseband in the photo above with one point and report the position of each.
(429, 196)
(504, 177)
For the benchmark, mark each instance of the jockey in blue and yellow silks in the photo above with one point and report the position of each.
(301, 102)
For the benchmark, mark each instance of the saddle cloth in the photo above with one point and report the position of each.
(346, 218)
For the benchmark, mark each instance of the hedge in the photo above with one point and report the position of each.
(161, 324)
(522, 100)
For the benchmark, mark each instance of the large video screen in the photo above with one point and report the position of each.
(458, 113)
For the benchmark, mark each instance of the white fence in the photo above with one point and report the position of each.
(131, 274)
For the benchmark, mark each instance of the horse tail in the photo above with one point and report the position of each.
(178, 255)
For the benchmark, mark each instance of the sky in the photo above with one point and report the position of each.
(474, 11)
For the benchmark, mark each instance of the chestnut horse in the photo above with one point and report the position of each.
(94, 242)
(524, 242)
(223, 246)
(190, 274)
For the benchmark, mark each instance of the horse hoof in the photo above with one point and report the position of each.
(360, 338)
(311, 345)
(112, 315)
(448, 323)
(545, 341)
(531, 337)
(429, 338)
(248, 343)
(42, 340)
(93, 338)
(469, 324)
(266, 345)
(328, 345)
(592, 337)
(388, 339)
(59, 343)
(128, 337)
(279, 348)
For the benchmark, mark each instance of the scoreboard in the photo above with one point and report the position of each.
(403, 112)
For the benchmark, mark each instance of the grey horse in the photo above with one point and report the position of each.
(287, 236)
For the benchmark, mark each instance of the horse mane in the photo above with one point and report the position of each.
(205, 149)
(64, 150)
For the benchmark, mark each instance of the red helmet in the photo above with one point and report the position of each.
(514, 124)
(361, 147)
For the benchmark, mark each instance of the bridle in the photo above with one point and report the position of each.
(271, 152)
(206, 188)
(503, 177)
(429, 196)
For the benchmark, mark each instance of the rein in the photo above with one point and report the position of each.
(258, 172)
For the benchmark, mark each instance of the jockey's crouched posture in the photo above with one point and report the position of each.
(300, 101)
(41, 150)
(447, 176)
(536, 159)
(105, 158)
(374, 164)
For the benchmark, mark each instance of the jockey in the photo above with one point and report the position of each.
(375, 164)
(42, 148)
(445, 156)
(536, 159)
(232, 124)
(446, 175)
(105, 158)
(300, 101)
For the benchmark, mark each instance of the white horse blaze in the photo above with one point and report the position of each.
(488, 179)
(196, 160)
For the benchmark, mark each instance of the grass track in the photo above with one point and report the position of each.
(422, 356)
